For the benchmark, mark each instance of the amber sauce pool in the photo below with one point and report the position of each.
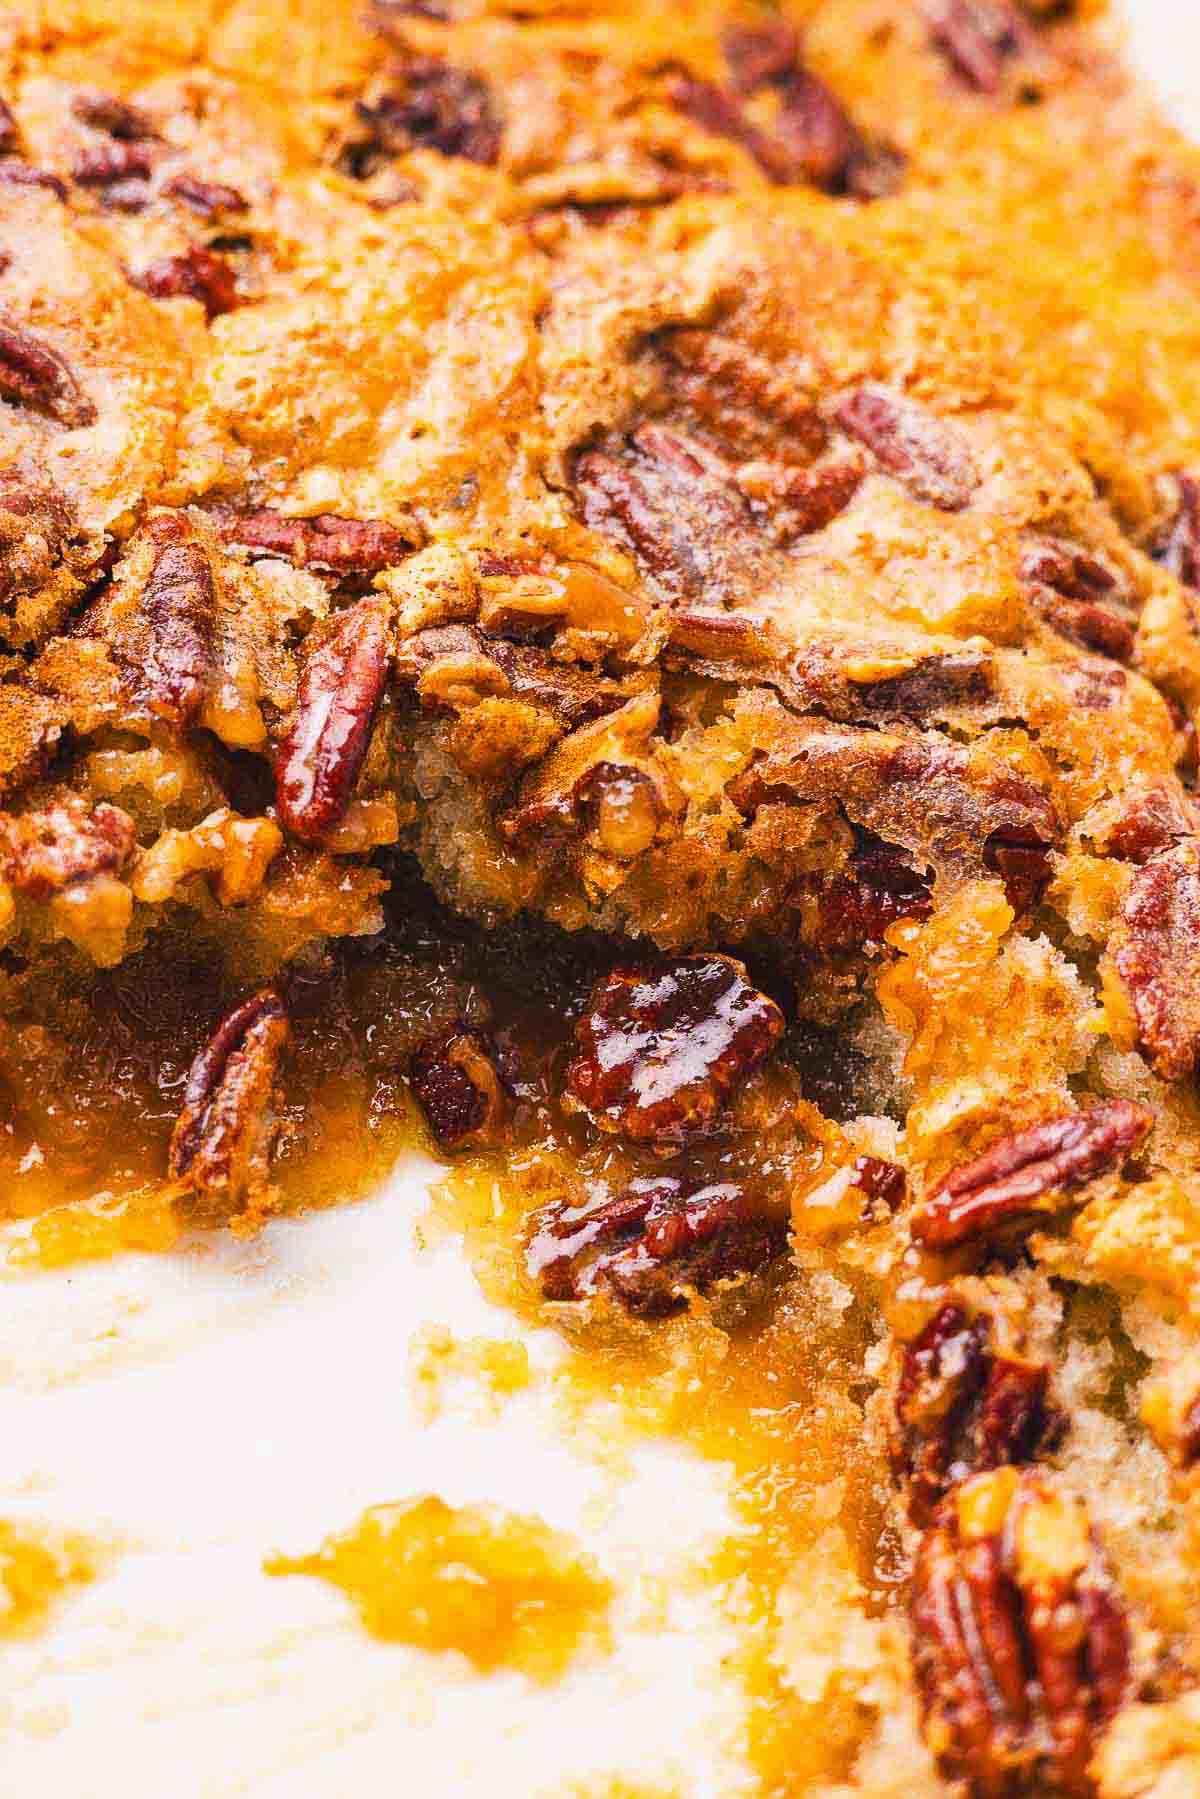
(772, 1388)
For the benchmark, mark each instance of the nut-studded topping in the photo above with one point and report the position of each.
(222, 1142)
(978, 38)
(180, 610)
(429, 105)
(963, 1407)
(1027, 1174)
(662, 1238)
(66, 844)
(195, 274)
(340, 691)
(208, 198)
(1075, 593)
(455, 1079)
(1155, 955)
(346, 547)
(32, 375)
(662, 1052)
(923, 452)
(1021, 1647)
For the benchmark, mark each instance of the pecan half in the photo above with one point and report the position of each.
(32, 375)
(340, 690)
(661, 1239)
(346, 547)
(1021, 1646)
(1181, 551)
(979, 38)
(430, 106)
(1074, 591)
(810, 138)
(672, 504)
(105, 112)
(208, 198)
(24, 174)
(458, 1086)
(1155, 954)
(195, 274)
(1027, 1173)
(963, 1407)
(64, 845)
(223, 1137)
(662, 1052)
(107, 163)
(923, 452)
(180, 608)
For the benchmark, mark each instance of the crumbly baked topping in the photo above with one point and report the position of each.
(713, 495)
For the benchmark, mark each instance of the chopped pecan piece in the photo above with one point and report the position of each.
(842, 912)
(923, 452)
(33, 375)
(195, 274)
(454, 666)
(180, 606)
(340, 691)
(64, 845)
(45, 556)
(963, 1407)
(1074, 591)
(1144, 821)
(455, 1079)
(208, 198)
(1155, 953)
(662, 1052)
(109, 162)
(799, 501)
(346, 547)
(223, 1137)
(431, 106)
(662, 1238)
(1021, 1646)
(1181, 551)
(978, 38)
(1027, 1173)
(883, 1183)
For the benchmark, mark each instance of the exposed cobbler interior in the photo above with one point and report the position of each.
(614, 592)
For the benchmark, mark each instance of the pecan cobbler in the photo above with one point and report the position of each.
(624, 580)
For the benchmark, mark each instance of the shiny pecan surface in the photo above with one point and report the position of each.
(457, 1083)
(340, 691)
(661, 1238)
(46, 852)
(661, 1053)
(841, 912)
(34, 376)
(1021, 1643)
(1155, 953)
(1026, 1174)
(923, 452)
(963, 1407)
(223, 1137)
(179, 605)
